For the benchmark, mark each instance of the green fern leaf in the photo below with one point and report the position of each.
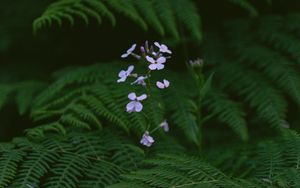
(187, 14)
(245, 4)
(228, 112)
(8, 166)
(145, 8)
(127, 8)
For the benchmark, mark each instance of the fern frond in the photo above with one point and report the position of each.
(101, 174)
(279, 69)
(127, 8)
(246, 5)
(68, 9)
(164, 11)
(23, 93)
(9, 160)
(187, 14)
(228, 112)
(161, 15)
(268, 102)
(176, 171)
(80, 159)
(183, 112)
(67, 171)
(127, 156)
(37, 164)
(147, 10)
(270, 161)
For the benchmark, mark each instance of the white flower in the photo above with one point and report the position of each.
(147, 140)
(165, 126)
(140, 80)
(129, 51)
(124, 74)
(196, 63)
(163, 85)
(163, 48)
(135, 105)
(157, 64)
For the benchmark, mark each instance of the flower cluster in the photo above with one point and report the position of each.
(155, 56)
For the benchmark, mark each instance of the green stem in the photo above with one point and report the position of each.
(154, 129)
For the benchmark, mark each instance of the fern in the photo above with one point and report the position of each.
(245, 4)
(37, 164)
(23, 93)
(67, 171)
(184, 112)
(176, 171)
(9, 160)
(228, 112)
(260, 68)
(161, 15)
(103, 159)
(95, 98)
(83, 159)
(158, 14)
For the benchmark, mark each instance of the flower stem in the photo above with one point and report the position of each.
(154, 129)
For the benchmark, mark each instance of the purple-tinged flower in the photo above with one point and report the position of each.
(157, 64)
(163, 48)
(165, 126)
(196, 63)
(163, 85)
(140, 80)
(147, 140)
(135, 105)
(129, 51)
(124, 74)
(147, 46)
(143, 51)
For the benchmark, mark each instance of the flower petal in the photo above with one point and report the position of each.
(165, 126)
(130, 69)
(125, 55)
(131, 49)
(147, 140)
(160, 66)
(130, 106)
(123, 79)
(152, 66)
(168, 51)
(138, 106)
(164, 47)
(122, 73)
(150, 139)
(142, 97)
(166, 83)
(157, 44)
(132, 96)
(161, 60)
(160, 85)
(150, 59)
(139, 80)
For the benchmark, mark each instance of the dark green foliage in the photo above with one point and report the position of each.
(245, 4)
(260, 69)
(87, 97)
(161, 15)
(9, 160)
(83, 137)
(228, 112)
(22, 93)
(257, 72)
(176, 171)
(102, 159)
(85, 159)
